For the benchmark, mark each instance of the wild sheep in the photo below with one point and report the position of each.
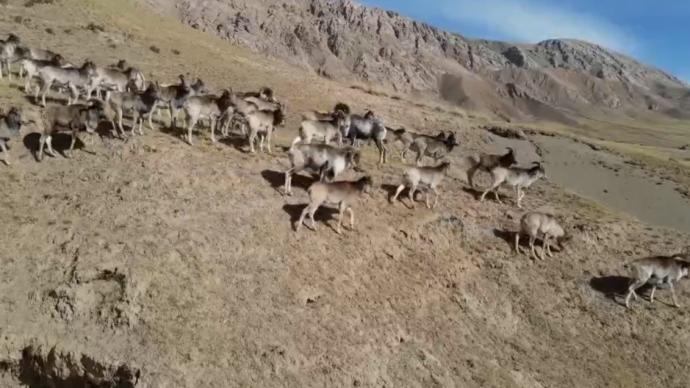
(519, 178)
(327, 160)
(438, 146)
(73, 78)
(242, 109)
(487, 162)
(428, 178)
(264, 105)
(262, 124)
(328, 130)
(31, 68)
(71, 119)
(535, 224)
(10, 126)
(334, 193)
(115, 80)
(174, 96)
(657, 271)
(8, 54)
(138, 103)
(206, 107)
(368, 127)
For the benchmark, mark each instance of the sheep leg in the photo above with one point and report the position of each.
(532, 239)
(71, 145)
(252, 139)
(352, 218)
(46, 86)
(268, 142)
(213, 131)
(673, 295)
(494, 188)
(631, 290)
(517, 243)
(311, 216)
(288, 182)
(190, 127)
(397, 193)
(341, 210)
(411, 195)
(140, 119)
(382, 151)
(520, 195)
(436, 195)
(651, 296)
(150, 118)
(544, 246)
(305, 211)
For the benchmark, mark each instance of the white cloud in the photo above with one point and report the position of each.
(532, 21)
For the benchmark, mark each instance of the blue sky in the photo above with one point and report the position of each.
(656, 32)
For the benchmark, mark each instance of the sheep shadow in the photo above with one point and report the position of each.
(390, 190)
(323, 215)
(49, 100)
(237, 142)
(277, 180)
(61, 142)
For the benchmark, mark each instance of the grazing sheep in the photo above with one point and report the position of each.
(10, 126)
(657, 271)
(535, 224)
(487, 162)
(426, 177)
(520, 178)
(262, 124)
(334, 193)
(72, 119)
(327, 160)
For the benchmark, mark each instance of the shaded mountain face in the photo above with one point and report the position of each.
(342, 39)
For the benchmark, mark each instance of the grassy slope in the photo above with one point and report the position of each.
(221, 292)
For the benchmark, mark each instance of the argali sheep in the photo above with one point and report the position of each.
(536, 225)
(10, 126)
(435, 147)
(656, 271)
(327, 160)
(139, 104)
(487, 162)
(328, 130)
(428, 178)
(406, 139)
(72, 78)
(262, 124)
(368, 127)
(174, 96)
(209, 107)
(341, 194)
(70, 119)
(8, 54)
(519, 178)
(326, 116)
(31, 68)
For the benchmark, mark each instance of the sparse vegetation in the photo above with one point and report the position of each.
(155, 49)
(31, 3)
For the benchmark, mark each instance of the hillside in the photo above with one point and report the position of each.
(151, 263)
(556, 80)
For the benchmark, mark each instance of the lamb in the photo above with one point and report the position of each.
(327, 160)
(520, 178)
(487, 162)
(427, 177)
(73, 78)
(368, 127)
(334, 193)
(71, 119)
(262, 124)
(139, 104)
(326, 129)
(657, 271)
(10, 126)
(535, 224)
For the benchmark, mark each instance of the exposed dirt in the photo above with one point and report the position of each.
(160, 264)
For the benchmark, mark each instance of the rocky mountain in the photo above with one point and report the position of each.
(342, 39)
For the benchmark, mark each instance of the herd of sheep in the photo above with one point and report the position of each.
(328, 143)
